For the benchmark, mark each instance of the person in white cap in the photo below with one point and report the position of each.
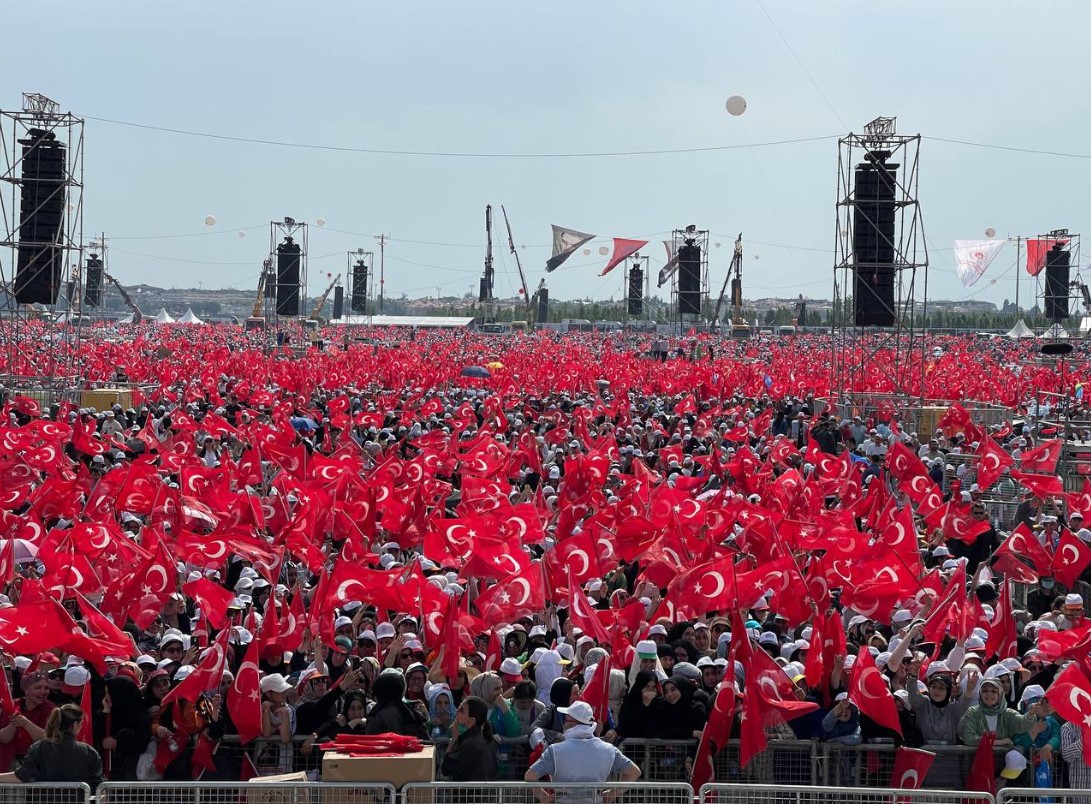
(581, 756)
(277, 717)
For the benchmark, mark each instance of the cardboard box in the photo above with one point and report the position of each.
(287, 790)
(396, 770)
(105, 398)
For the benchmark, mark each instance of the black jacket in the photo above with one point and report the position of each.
(471, 758)
(396, 717)
(66, 761)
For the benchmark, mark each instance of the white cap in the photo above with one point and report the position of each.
(1072, 599)
(384, 631)
(275, 682)
(76, 676)
(658, 630)
(341, 622)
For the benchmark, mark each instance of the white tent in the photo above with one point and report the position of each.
(163, 317)
(126, 320)
(1056, 332)
(190, 318)
(1020, 330)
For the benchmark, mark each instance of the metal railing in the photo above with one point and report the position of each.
(872, 764)
(1042, 795)
(782, 762)
(789, 794)
(253, 792)
(533, 793)
(46, 793)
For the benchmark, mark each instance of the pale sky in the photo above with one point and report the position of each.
(552, 78)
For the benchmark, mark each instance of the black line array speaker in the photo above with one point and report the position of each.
(92, 294)
(543, 305)
(873, 233)
(689, 279)
(1058, 263)
(41, 218)
(358, 302)
(636, 291)
(338, 301)
(289, 258)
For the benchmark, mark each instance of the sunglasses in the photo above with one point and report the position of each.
(405, 655)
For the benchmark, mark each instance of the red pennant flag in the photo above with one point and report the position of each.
(910, 768)
(1070, 559)
(86, 733)
(871, 694)
(622, 249)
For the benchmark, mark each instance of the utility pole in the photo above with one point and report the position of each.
(382, 268)
(1018, 260)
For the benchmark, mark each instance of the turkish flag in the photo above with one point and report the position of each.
(982, 775)
(582, 614)
(7, 703)
(1001, 628)
(870, 692)
(1022, 542)
(211, 598)
(751, 724)
(910, 768)
(206, 675)
(1044, 487)
(1070, 695)
(774, 687)
(1043, 458)
(715, 734)
(520, 594)
(597, 692)
(244, 696)
(1070, 559)
(993, 461)
(707, 587)
(1037, 248)
(579, 554)
(494, 558)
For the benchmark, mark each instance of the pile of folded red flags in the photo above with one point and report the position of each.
(364, 745)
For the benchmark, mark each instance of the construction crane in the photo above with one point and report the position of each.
(322, 299)
(125, 297)
(256, 320)
(739, 327)
(519, 265)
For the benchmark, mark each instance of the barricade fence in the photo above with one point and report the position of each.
(793, 794)
(252, 792)
(783, 762)
(1042, 795)
(46, 793)
(524, 793)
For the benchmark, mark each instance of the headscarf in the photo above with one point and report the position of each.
(1000, 705)
(560, 692)
(389, 688)
(29, 679)
(485, 686)
(433, 699)
(688, 647)
(547, 670)
(635, 694)
(948, 685)
(685, 687)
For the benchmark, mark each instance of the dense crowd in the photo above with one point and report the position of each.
(587, 543)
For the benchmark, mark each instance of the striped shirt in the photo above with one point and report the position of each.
(1079, 772)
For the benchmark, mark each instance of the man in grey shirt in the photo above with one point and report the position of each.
(582, 757)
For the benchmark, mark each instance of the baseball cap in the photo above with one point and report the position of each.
(1014, 764)
(385, 631)
(511, 670)
(581, 712)
(646, 649)
(274, 682)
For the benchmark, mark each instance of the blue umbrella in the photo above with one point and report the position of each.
(475, 371)
(302, 423)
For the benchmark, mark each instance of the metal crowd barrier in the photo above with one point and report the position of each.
(788, 794)
(533, 793)
(47, 793)
(253, 792)
(512, 755)
(872, 764)
(1042, 795)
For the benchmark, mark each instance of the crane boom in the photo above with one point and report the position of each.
(322, 299)
(125, 297)
(519, 265)
(259, 300)
(734, 276)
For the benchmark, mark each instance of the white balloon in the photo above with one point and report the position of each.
(242, 233)
(717, 245)
(586, 251)
(757, 256)
(736, 105)
(603, 250)
(320, 222)
(210, 220)
(990, 232)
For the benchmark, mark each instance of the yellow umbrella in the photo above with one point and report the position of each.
(493, 366)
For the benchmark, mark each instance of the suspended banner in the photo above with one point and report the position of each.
(565, 241)
(972, 257)
(1036, 253)
(667, 271)
(622, 248)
